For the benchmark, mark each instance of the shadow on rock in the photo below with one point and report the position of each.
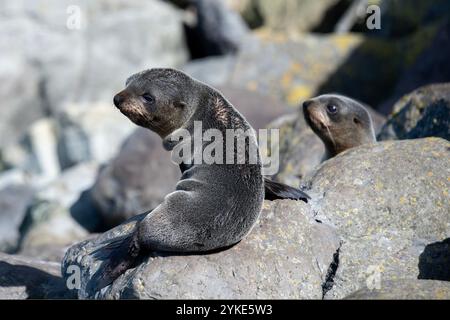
(434, 262)
(38, 284)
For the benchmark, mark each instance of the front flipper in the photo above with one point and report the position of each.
(276, 190)
(118, 256)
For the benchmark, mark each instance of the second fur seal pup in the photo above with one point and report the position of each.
(213, 205)
(339, 121)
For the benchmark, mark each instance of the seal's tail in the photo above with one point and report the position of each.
(118, 256)
(276, 190)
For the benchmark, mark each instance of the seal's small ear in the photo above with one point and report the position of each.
(180, 104)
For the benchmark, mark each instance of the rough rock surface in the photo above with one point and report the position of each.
(422, 113)
(90, 132)
(49, 224)
(405, 289)
(13, 205)
(136, 180)
(289, 16)
(50, 58)
(215, 29)
(25, 278)
(429, 67)
(286, 255)
(389, 203)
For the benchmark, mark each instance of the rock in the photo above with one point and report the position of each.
(79, 133)
(422, 113)
(383, 62)
(389, 203)
(405, 289)
(300, 149)
(289, 17)
(14, 201)
(48, 223)
(142, 174)
(14, 177)
(430, 67)
(91, 132)
(50, 58)
(41, 142)
(136, 180)
(216, 30)
(287, 255)
(68, 187)
(214, 71)
(291, 70)
(21, 101)
(25, 278)
(400, 19)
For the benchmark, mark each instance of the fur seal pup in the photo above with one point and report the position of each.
(340, 122)
(213, 205)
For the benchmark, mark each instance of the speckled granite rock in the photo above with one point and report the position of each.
(423, 113)
(287, 255)
(49, 224)
(389, 202)
(25, 278)
(14, 200)
(289, 16)
(405, 289)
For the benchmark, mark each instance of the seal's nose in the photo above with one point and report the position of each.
(118, 100)
(307, 103)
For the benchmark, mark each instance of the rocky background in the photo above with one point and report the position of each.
(71, 166)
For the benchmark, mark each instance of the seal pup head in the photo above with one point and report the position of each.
(342, 123)
(159, 99)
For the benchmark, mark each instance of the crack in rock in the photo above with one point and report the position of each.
(328, 284)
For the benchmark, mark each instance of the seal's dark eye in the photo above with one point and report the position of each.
(148, 98)
(332, 109)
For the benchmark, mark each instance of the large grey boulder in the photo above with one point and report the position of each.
(405, 289)
(213, 28)
(90, 132)
(21, 101)
(136, 180)
(48, 224)
(25, 278)
(14, 201)
(424, 112)
(50, 58)
(289, 17)
(287, 255)
(79, 133)
(390, 205)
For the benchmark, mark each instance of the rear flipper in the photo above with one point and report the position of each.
(276, 190)
(118, 256)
